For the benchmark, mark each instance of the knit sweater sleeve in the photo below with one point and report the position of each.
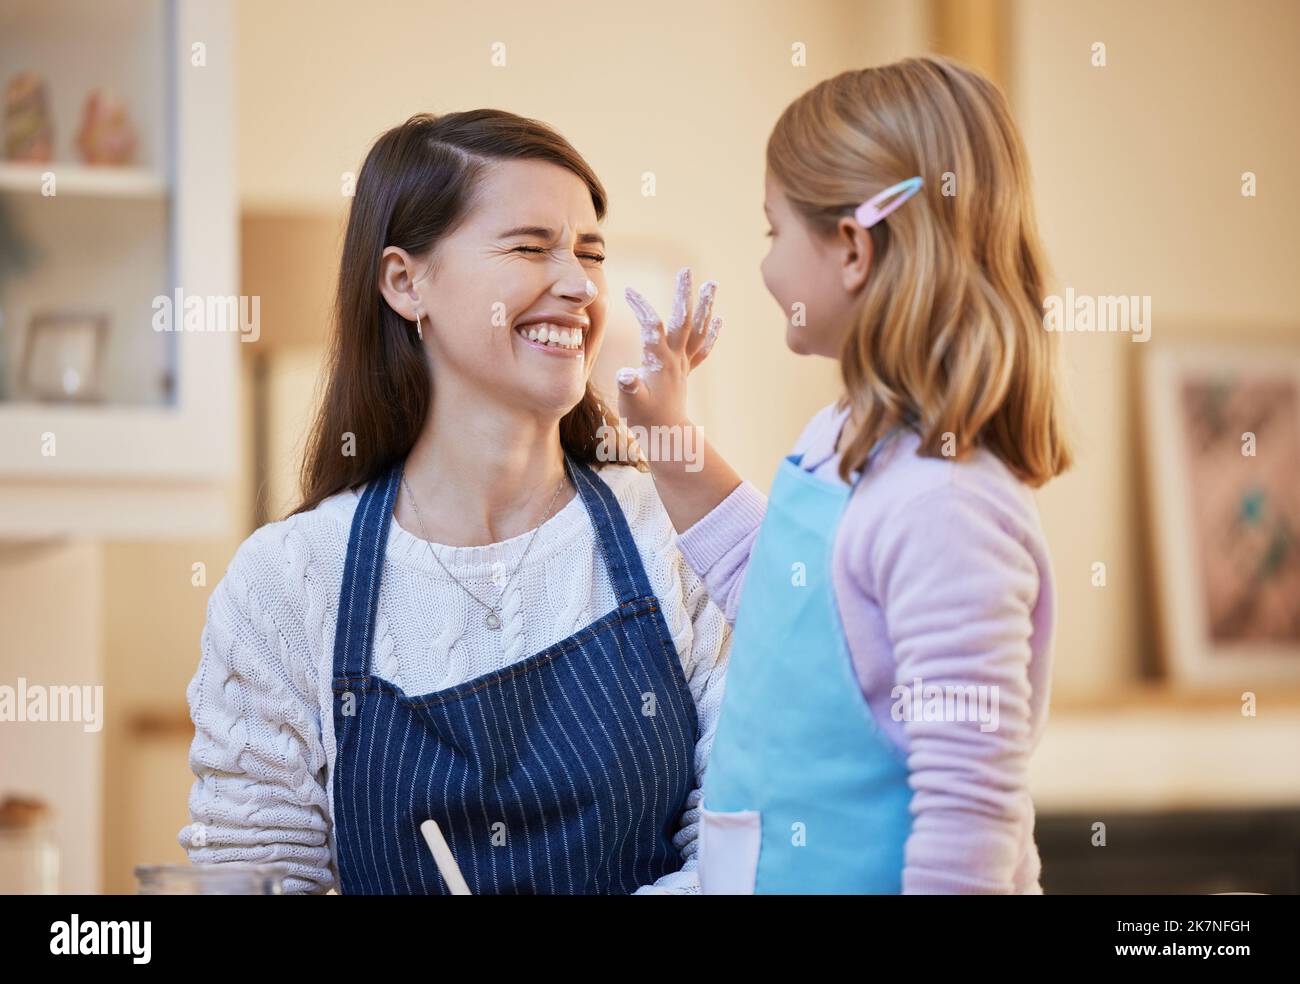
(259, 796)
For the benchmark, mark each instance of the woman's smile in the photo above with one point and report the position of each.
(555, 335)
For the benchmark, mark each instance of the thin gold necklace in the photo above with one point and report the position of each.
(493, 617)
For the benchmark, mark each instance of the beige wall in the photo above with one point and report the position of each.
(1138, 172)
(59, 762)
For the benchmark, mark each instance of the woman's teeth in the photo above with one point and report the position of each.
(553, 335)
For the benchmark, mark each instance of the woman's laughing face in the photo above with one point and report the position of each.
(512, 301)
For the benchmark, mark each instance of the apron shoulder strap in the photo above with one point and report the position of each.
(622, 559)
(362, 570)
(363, 566)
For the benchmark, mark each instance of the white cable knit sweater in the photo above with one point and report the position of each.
(263, 748)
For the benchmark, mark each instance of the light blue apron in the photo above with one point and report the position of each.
(803, 792)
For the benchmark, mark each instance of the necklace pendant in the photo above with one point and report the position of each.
(491, 621)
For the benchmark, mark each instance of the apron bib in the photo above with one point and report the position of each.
(566, 772)
(803, 793)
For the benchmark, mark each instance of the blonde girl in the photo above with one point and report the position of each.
(892, 597)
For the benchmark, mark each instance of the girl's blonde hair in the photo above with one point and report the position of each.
(949, 338)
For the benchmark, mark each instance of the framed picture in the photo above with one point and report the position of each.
(1223, 458)
(63, 359)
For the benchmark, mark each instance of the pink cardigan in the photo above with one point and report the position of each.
(942, 578)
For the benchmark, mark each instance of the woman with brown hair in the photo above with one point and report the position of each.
(469, 618)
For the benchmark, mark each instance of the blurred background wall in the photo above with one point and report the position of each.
(1137, 167)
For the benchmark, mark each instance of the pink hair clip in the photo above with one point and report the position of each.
(870, 212)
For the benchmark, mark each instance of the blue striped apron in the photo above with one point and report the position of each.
(566, 772)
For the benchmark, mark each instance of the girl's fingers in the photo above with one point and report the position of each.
(629, 380)
(702, 314)
(652, 334)
(681, 307)
(703, 311)
(710, 336)
(688, 332)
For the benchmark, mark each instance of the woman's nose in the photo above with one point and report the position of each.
(579, 288)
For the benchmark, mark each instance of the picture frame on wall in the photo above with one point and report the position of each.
(63, 358)
(1222, 441)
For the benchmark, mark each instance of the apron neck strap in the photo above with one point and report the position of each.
(362, 571)
(622, 559)
(368, 539)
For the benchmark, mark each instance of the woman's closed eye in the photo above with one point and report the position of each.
(594, 257)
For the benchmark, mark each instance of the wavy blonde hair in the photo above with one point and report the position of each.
(949, 336)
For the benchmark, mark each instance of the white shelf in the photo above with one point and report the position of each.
(1168, 757)
(83, 180)
(122, 469)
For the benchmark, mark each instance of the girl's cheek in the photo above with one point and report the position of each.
(775, 278)
(768, 269)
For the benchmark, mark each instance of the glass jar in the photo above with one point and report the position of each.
(208, 879)
(29, 857)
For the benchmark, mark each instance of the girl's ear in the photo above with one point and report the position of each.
(853, 251)
(397, 282)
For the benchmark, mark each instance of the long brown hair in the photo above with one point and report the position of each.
(416, 185)
(949, 337)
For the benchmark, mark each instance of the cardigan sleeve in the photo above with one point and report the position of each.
(957, 587)
(259, 794)
(718, 546)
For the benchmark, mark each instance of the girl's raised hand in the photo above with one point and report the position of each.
(655, 393)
